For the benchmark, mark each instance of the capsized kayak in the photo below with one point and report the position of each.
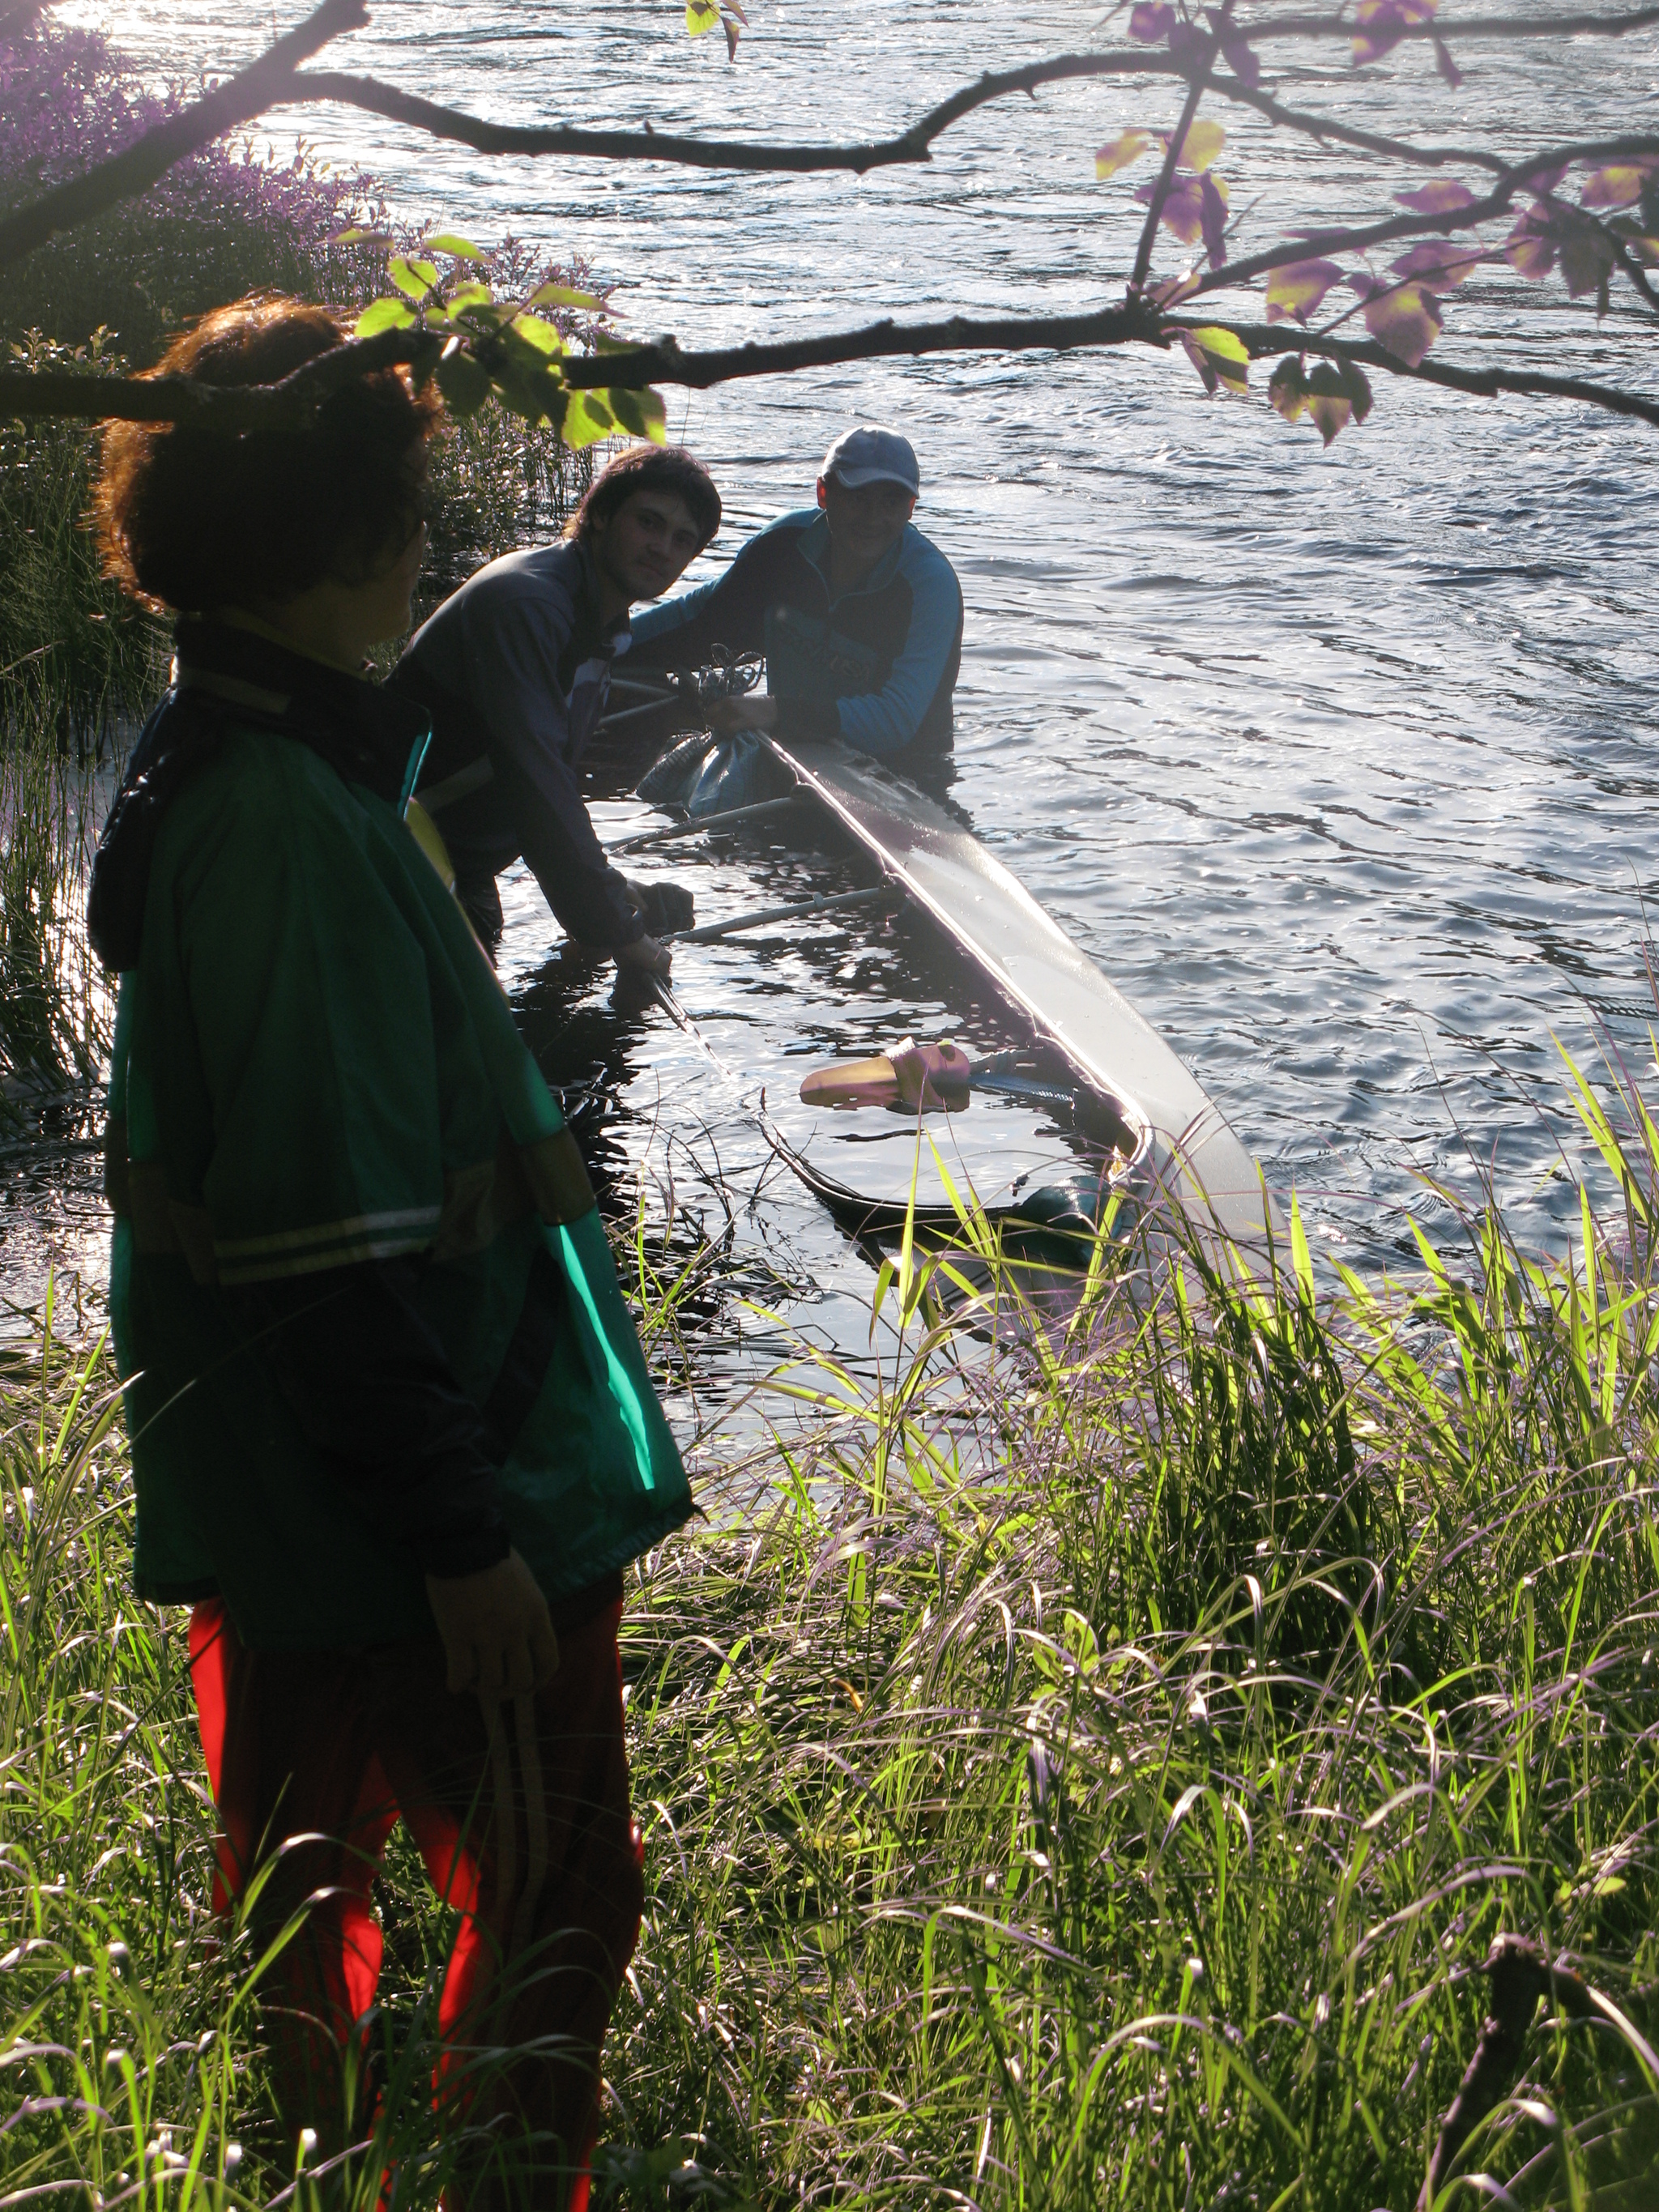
(1182, 1143)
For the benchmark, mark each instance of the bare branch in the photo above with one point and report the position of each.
(1355, 239)
(911, 145)
(1326, 128)
(1172, 151)
(664, 363)
(72, 395)
(169, 399)
(1478, 27)
(138, 166)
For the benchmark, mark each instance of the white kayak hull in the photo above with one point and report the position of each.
(1183, 1145)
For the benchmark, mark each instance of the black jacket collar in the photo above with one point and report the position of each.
(223, 679)
(371, 736)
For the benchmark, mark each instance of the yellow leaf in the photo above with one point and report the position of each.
(1203, 142)
(700, 15)
(1220, 359)
(1297, 289)
(1220, 344)
(1119, 154)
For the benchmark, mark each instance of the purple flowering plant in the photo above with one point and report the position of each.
(225, 220)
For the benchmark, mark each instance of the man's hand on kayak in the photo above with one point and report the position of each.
(646, 956)
(729, 715)
(497, 1636)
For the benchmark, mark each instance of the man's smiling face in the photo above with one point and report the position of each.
(647, 543)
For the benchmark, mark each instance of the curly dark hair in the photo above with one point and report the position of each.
(648, 468)
(194, 517)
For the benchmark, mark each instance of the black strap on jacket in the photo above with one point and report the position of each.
(225, 678)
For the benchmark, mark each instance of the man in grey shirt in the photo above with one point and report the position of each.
(514, 668)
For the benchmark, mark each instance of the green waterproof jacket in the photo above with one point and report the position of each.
(313, 1066)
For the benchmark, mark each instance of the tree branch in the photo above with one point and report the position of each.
(1172, 152)
(1478, 27)
(911, 145)
(1313, 243)
(172, 398)
(1262, 338)
(74, 396)
(138, 166)
(373, 97)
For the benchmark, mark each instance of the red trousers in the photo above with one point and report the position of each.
(524, 1824)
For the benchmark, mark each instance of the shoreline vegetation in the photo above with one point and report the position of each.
(80, 666)
(1088, 1765)
(1094, 1768)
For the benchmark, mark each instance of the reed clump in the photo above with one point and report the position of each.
(1091, 1767)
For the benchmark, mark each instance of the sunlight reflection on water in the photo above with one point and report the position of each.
(1339, 764)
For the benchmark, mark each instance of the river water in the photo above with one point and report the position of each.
(1339, 764)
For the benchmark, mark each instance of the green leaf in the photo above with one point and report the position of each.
(536, 333)
(415, 278)
(386, 314)
(642, 413)
(564, 296)
(587, 419)
(468, 296)
(700, 15)
(482, 314)
(465, 383)
(447, 242)
(358, 236)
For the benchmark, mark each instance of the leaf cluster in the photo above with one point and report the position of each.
(478, 346)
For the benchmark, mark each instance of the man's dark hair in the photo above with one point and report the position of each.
(648, 468)
(192, 516)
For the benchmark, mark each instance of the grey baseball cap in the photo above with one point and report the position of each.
(872, 455)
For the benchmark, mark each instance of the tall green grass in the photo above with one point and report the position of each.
(56, 1002)
(78, 662)
(1089, 1769)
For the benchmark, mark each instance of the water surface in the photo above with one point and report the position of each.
(1339, 764)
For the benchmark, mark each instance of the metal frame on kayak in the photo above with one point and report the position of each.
(1182, 1144)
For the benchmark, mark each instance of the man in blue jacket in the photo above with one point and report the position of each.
(858, 616)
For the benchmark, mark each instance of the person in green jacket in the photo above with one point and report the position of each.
(393, 1439)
